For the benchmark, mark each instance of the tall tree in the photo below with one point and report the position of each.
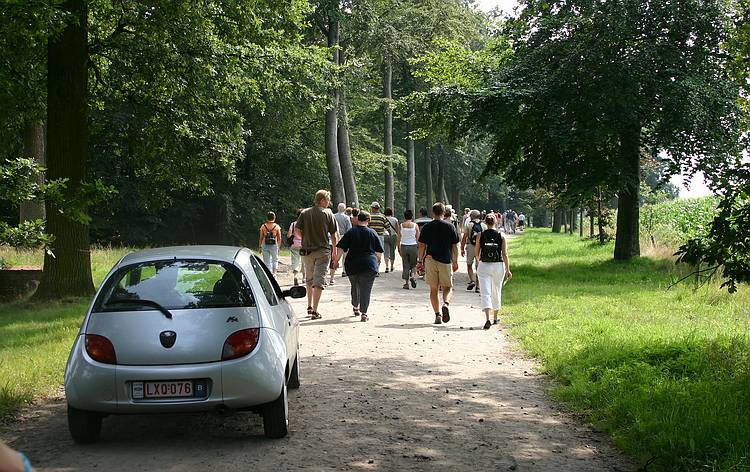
(67, 270)
(344, 145)
(331, 29)
(388, 130)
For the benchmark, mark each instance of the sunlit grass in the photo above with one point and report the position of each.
(665, 371)
(35, 338)
(34, 343)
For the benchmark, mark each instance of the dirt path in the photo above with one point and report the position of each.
(395, 393)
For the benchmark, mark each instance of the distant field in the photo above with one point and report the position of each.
(666, 372)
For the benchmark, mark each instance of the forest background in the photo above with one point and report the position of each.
(181, 123)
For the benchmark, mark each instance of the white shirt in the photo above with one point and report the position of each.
(409, 236)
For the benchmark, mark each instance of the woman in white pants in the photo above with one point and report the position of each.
(492, 253)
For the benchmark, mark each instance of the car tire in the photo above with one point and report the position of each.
(276, 416)
(85, 426)
(293, 381)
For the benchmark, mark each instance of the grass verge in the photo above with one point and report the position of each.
(35, 338)
(665, 372)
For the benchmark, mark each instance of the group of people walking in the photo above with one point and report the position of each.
(429, 248)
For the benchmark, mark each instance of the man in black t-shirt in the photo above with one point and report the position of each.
(438, 256)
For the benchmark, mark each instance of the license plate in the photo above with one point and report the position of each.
(170, 389)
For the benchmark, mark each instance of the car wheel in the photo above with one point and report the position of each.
(276, 416)
(85, 426)
(293, 381)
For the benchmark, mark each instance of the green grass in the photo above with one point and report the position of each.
(665, 372)
(35, 338)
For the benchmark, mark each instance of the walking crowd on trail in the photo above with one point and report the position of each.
(320, 242)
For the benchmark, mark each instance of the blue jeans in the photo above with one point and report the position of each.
(271, 256)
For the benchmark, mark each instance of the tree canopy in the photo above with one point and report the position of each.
(591, 88)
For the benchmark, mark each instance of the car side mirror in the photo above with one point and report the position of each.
(298, 291)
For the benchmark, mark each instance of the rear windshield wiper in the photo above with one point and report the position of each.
(142, 302)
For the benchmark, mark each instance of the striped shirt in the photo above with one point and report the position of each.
(378, 223)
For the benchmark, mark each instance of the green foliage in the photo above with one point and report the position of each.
(726, 247)
(587, 77)
(173, 81)
(449, 63)
(664, 371)
(18, 184)
(674, 222)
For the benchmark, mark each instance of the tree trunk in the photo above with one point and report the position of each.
(429, 194)
(627, 242)
(442, 194)
(332, 151)
(411, 197)
(345, 154)
(388, 137)
(591, 225)
(580, 222)
(456, 197)
(33, 148)
(68, 273)
(557, 220)
(599, 221)
(573, 221)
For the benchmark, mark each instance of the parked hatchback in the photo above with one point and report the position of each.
(184, 329)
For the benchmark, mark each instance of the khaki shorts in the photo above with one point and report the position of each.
(316, 267)
(471, 254)
(438, 274)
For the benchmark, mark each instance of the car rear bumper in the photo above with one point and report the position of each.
(248, 381)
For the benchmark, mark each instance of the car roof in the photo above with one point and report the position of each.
(220, 253)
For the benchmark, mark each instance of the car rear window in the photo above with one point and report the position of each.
(176, 284)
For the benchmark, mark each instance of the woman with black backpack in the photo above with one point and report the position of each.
(492, 253)
(270, 241)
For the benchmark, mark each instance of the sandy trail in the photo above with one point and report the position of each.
(395, 393)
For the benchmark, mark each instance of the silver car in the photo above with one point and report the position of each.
(184, 329)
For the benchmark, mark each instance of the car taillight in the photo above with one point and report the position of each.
(240, 343)
(100, 349)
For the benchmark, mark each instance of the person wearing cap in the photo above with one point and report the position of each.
(378, 223)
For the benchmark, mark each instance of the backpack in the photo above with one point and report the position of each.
(270, 238)
(491, 249)
(476, 229)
